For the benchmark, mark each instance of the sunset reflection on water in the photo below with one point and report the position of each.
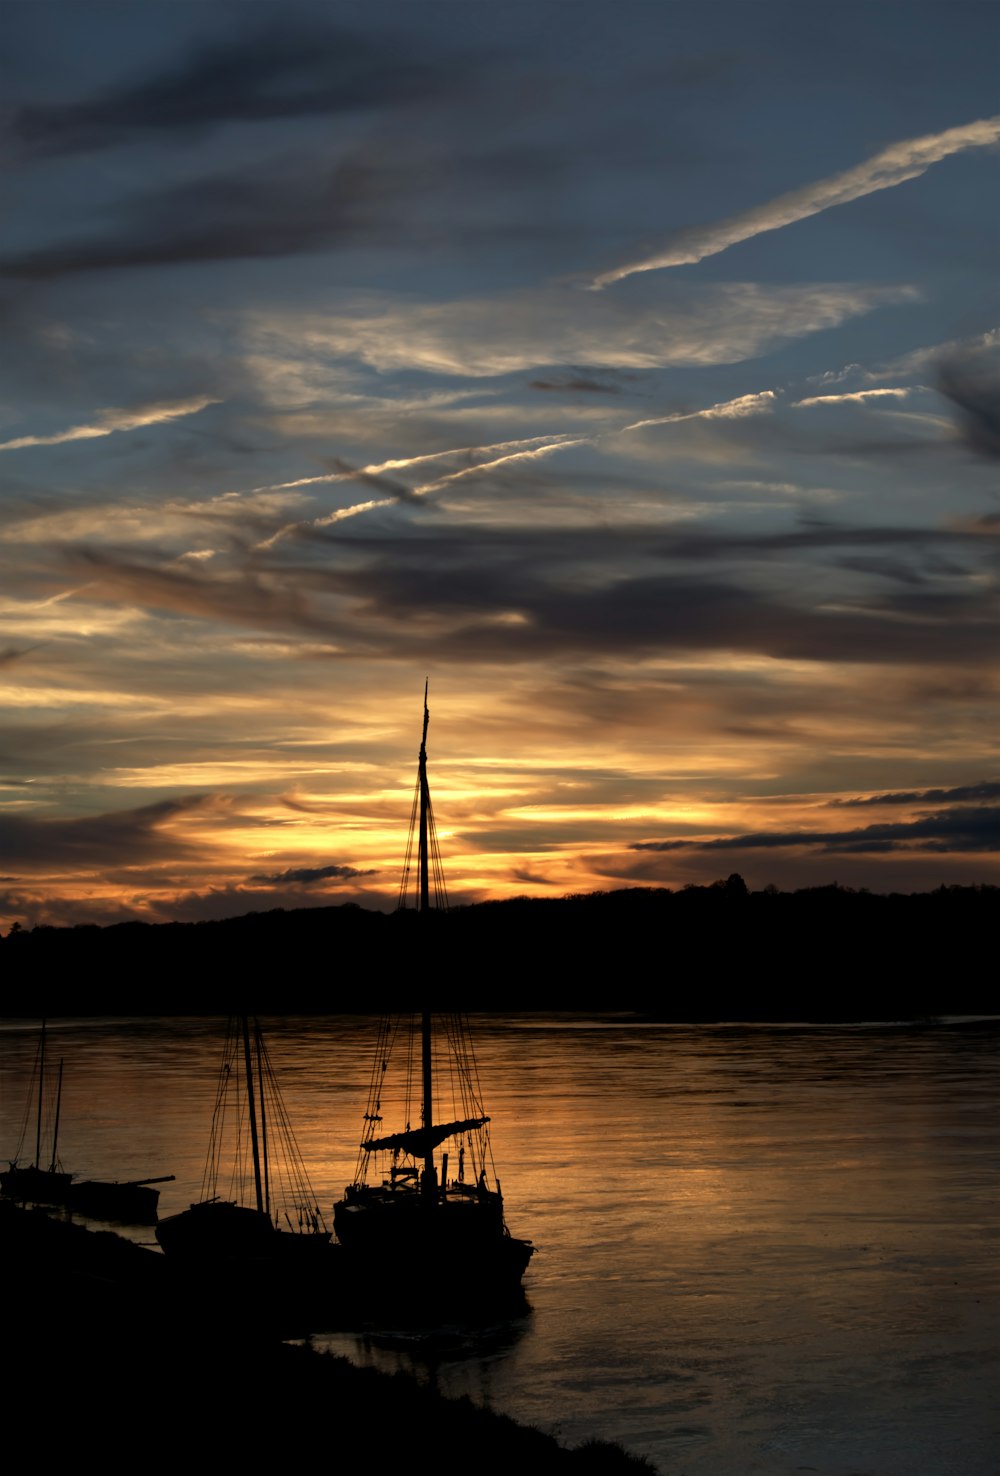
(757, 1247)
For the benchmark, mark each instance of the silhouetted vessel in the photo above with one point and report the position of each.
(251, 1131)
(444, 1229)
(30, 1182)
(129, 1202)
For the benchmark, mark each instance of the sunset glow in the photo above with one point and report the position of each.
(653, 419)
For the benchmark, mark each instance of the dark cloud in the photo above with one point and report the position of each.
(10, 654)
(243, 596)
(502, 612)
(892, 569)
(119, 838)
(817, 534)
(381, 195)
(960, 829)
(280, 208)
(281, 71)
(576, 384)
(972, 384)
(304, 875)
(529, 877)
(381, 588)
(984, 791)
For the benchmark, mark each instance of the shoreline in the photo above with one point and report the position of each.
(106, 1336)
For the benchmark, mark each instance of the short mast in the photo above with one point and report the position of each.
(428, 1178)
(41, 1090)
(55, 1130)
(423, 868)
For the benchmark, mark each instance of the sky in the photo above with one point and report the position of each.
(629, 372)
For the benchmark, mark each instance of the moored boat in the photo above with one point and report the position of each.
(272, 1215)
(427, 1231)
(30, 1183)
(130, 1202)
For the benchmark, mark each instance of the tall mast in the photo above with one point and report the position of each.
(252, 1104)
(423, 867)
(259, 1048)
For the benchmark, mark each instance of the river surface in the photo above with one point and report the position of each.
(759, 1249)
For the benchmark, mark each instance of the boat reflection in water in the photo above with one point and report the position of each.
(441, 1223)
(267, 1211)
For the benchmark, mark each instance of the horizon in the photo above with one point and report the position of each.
(630, 373)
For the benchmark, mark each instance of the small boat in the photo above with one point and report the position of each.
(439, 1221)
(30, 1182)
(131, 1202)
(272, 1215)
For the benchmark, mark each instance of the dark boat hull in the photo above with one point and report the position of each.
(293, 1281)
(456, 1245)
(221, 1232)
(129, 1204)
(32, 1185)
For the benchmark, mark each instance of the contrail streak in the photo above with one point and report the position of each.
(111, 421)
(857, 397)
(468, 471)
(907, 159)
(725, 410)
(397, 464)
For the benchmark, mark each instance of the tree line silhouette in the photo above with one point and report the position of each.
(716, 952)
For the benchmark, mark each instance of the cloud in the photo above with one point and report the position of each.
(724, 323)
(907, 159)
(526, 596)
(575, 384)
(284, 207)
(245, 596)
(856, 397)
(10, 654)
(305, 875)
(972, 383)
(959, 829)
(109, 421)
(119, 838)
(280, 71)
(984, 791)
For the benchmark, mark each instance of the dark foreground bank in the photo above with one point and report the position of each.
(111, 1357)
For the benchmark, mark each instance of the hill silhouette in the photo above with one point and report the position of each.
(718, 952)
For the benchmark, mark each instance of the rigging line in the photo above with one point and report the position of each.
(474, 1070)
(404, 885)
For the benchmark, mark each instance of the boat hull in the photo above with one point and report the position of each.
(454, 1244)
(220, 1231)
(129, 1204)
(32, 1185)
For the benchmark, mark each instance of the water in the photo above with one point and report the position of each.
(760, 1249)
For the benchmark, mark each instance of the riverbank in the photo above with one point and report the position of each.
(106, 1343)
(870, 957)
